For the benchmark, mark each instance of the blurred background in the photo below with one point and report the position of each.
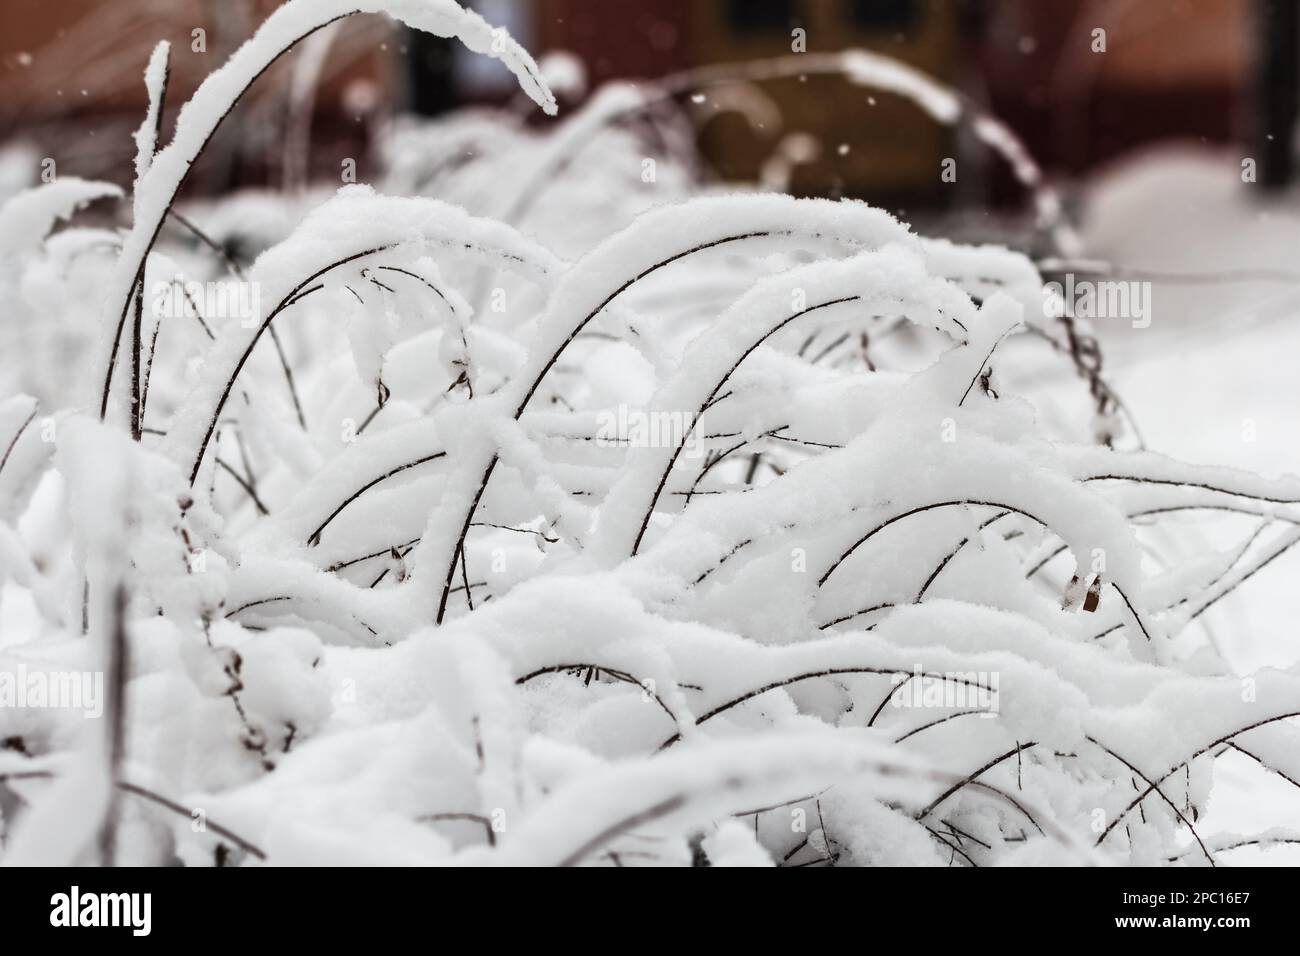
(1205, 71)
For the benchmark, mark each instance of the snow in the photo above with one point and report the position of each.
(26, 219)
(155, 82)
(617, 523)
(356, 225)
(563, 73)
(222, 89)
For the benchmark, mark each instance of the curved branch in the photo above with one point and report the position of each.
(243, 483)
(1173, 770)
(4, 459)
(314, 537)
(1172, 806)
(156, 798)
(915, 511)
(676, 452)
(290, 299)
(972, 779)
(217, 97)
(618, 675)
(772, 216)
(826, 672)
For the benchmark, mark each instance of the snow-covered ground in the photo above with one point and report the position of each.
(1215, 379)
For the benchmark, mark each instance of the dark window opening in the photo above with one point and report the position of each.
(884, 16)
(760, 16)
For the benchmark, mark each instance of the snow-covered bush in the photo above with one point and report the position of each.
(607, 522)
